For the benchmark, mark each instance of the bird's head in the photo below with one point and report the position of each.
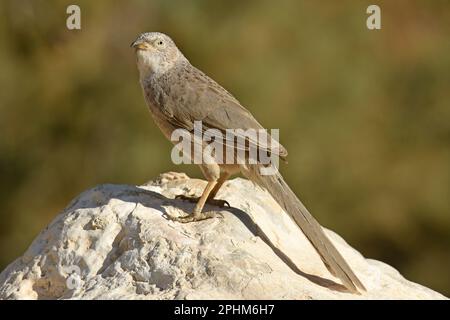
(155, 53)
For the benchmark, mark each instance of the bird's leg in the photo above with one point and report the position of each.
(210, 200)
(198, 215)
(224, 177)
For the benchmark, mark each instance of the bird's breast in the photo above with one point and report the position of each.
(154, 103)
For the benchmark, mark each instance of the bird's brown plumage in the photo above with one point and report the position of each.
(184, 94)
(178, 94)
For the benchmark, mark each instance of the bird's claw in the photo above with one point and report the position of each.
(215, 202)
(193, 217)
(218, 203)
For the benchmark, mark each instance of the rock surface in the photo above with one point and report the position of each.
(115, 242)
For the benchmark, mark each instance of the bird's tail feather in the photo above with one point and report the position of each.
(330, 256)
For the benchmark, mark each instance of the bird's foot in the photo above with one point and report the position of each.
(215, 202)
(195, 216)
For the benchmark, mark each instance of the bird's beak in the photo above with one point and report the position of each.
(139, 44)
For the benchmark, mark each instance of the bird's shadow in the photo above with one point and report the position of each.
(257, 231)
(130, 194)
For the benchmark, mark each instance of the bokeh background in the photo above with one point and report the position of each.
(364, 114)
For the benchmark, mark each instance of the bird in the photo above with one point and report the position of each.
(177, 95)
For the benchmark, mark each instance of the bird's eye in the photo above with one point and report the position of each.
(160, 43)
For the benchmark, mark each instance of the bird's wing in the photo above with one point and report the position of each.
(199, 98)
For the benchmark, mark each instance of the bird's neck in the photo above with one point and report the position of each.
(153, 66)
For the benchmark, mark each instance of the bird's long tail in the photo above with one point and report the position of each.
(281, 192)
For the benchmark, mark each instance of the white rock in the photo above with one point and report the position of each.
(115, 242)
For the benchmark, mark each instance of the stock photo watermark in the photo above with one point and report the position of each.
(73, 21)
(73, 281)
(373, 21)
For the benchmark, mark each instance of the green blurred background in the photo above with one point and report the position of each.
(364, 114)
